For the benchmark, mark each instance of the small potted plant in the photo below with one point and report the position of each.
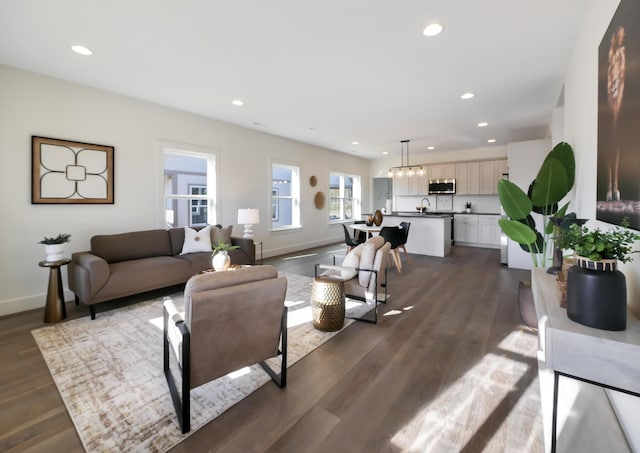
(467, 206)
(596, 289)
(600, 250)
(220, 259)
(54, 246)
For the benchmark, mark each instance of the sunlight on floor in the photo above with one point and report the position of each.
(298, 256)
(469, 405)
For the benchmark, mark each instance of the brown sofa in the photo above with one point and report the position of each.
(120, 265)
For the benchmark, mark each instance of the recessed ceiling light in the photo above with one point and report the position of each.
(491, 140)
(237, 102)
(385, 153)
(431, 147)
(432, 29)
(82, 50)
(467, 96)
(483, 124)
(355, 143)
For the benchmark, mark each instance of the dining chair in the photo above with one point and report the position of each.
(349, 240)
(404, 235)
(392, 235)
(360, 235)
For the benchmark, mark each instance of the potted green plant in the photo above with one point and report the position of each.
(54, 246)
(597, 249)
(220, 259)
(553, 182)
(596, 289)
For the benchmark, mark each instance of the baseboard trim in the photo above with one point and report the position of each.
(11, 306)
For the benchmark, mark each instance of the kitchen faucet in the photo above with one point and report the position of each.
(422, 205)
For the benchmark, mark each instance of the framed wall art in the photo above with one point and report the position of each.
(618, 191)
(67, 172)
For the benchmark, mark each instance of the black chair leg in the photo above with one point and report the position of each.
(281, 379)
(182, 407)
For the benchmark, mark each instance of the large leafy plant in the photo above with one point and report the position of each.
(552, 183)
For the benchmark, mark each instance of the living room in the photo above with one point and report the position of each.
(34, 104)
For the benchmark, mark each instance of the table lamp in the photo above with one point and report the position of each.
(248, 218)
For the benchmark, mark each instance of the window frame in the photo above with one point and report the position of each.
(294, 197)
(212, 181)
(356, 198)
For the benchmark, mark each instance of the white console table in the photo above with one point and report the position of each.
(604, 358)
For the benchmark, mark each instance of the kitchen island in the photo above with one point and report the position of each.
(429, 234)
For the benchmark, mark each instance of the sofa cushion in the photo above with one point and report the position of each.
(221, 234)
(196, 241)
(367, 258)
(114, 248)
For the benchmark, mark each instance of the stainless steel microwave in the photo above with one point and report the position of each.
(438, 186)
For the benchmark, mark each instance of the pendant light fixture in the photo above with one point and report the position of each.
(408, 169)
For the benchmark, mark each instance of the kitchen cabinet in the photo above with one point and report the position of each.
(410, 185)
(468, 178)
(465, 228)
(401, 185)
(442, 171)
(490, 173)
(489, 230)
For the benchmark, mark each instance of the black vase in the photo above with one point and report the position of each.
(597, 298)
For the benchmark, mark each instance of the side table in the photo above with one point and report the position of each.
(55, 309)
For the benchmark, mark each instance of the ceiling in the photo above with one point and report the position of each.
(327, 73)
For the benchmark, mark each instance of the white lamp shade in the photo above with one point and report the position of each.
(248, 216)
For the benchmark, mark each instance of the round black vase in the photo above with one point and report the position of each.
(597, 298)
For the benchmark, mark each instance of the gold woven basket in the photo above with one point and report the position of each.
(327, 304)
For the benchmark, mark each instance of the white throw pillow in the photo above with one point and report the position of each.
(367, 258)
(351, 260)
(196, 241)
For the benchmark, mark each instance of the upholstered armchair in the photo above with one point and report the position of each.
(232, 319)
(364, 272)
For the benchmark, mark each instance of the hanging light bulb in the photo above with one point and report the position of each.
(410, 172)
(400, 172)
(421, 171)
(390, 173)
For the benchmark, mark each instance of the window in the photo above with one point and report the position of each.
(285, 196)
(189, 188)
(344, 197)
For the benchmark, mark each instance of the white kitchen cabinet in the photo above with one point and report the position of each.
(465, 228)
(490, 173)
(401, 185)
(411, 185)
(489, 230)
(442, 171)
(468, 178)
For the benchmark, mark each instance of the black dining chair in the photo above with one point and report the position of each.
(393, 236)
(349, 240)
(360, 236)
(404, 235)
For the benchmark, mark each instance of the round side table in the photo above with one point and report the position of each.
(55, 309)
(327, 304)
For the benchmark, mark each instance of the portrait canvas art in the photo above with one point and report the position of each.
(71, 172)
(618, 181)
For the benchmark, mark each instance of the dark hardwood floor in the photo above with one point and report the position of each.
(449, 367)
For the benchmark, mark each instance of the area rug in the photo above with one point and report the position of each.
(109, 373)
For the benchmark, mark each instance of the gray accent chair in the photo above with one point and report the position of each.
(232, 319)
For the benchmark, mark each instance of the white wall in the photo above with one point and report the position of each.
(580, 130)
(36, 105)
